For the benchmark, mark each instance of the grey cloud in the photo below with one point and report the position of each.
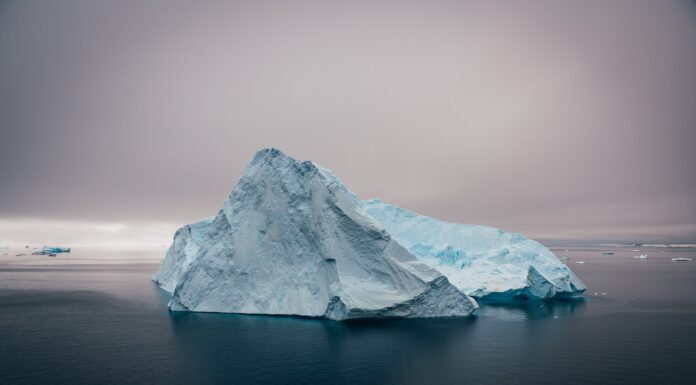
(557, 118)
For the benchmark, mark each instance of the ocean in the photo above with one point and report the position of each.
(95, 317)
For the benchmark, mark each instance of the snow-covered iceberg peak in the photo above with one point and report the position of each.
(484, 262)
(291, 239)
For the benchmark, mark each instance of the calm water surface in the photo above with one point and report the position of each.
(94, 317)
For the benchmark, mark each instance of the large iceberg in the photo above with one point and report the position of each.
(484, 262)
(291, 239)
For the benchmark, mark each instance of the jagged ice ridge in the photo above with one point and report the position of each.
(292, 240)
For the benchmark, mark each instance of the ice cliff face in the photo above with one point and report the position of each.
(292, 240)
(482, 261)
(187, 242)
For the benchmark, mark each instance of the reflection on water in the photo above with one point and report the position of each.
(302, 350)
(530, 310)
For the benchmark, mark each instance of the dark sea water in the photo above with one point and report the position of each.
(94, 317)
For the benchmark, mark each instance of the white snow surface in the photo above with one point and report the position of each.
(291, 239)
(484, 262)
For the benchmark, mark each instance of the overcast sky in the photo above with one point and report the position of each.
(559, 119)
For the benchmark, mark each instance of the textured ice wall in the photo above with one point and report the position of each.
(482, 261)
(183, 251)
(291, 239)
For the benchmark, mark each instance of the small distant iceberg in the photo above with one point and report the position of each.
(608, 253)
(682, 259)
(642, 256)
(51, 251)
(682, 245)
(580, 262)
(55, 249)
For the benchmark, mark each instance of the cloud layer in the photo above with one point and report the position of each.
(561, 120)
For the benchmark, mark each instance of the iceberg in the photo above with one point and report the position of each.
(483, 262)
(55, 249)
(51, 251)
(291, 239)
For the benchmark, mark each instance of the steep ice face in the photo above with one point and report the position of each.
(187, 242)
(291, 239)
(482, 261)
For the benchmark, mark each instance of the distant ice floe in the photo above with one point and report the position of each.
(51, 251)
(676, 245)
(636, 246)
(55, 249)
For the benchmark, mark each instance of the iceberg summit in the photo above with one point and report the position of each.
(291, 239)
